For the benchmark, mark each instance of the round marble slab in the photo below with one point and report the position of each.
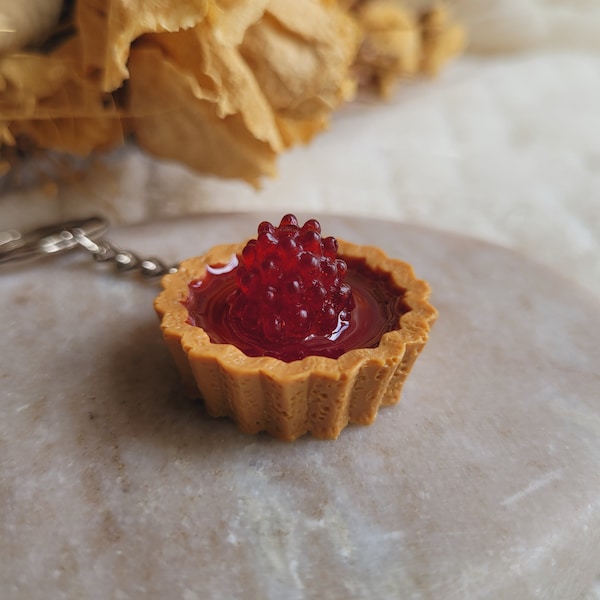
(482, 483)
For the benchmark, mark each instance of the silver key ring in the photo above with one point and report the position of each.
(85, 234)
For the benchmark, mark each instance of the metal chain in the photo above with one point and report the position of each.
(16, 246)
(125, 261)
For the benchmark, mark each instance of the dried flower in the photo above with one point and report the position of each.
(223, 86)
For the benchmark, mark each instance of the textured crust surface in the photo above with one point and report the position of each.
(315, 395)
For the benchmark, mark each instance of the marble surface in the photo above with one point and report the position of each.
(481, 484)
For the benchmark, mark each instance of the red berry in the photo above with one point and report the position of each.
(291, 283)
(311, 241)
(265, 226)
(312, 225)
(309, 263)
(330, 247)
(288, 221)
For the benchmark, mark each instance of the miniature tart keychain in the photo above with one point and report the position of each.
(288, 333)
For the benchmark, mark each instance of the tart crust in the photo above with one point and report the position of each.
(316, 395)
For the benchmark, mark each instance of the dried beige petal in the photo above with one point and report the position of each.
(399, 43)
(297, 57)
(108, 27)
(442, 39)
(301, 56)
(218, 74)
(27, 76)
(46, 100)
(230, 19)
(391, 47)
(26, 22)
(185, 127)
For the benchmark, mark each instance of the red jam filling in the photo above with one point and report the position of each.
(378, 307)
(288, 295)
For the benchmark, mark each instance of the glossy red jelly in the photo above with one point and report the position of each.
(377, 307)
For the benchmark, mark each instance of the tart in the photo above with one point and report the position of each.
(292, 332)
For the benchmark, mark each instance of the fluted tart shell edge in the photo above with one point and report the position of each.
(316, 395)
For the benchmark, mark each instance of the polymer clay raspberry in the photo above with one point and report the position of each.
(291, 284)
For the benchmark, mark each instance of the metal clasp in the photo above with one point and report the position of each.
(85, 234)
(16, 246)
